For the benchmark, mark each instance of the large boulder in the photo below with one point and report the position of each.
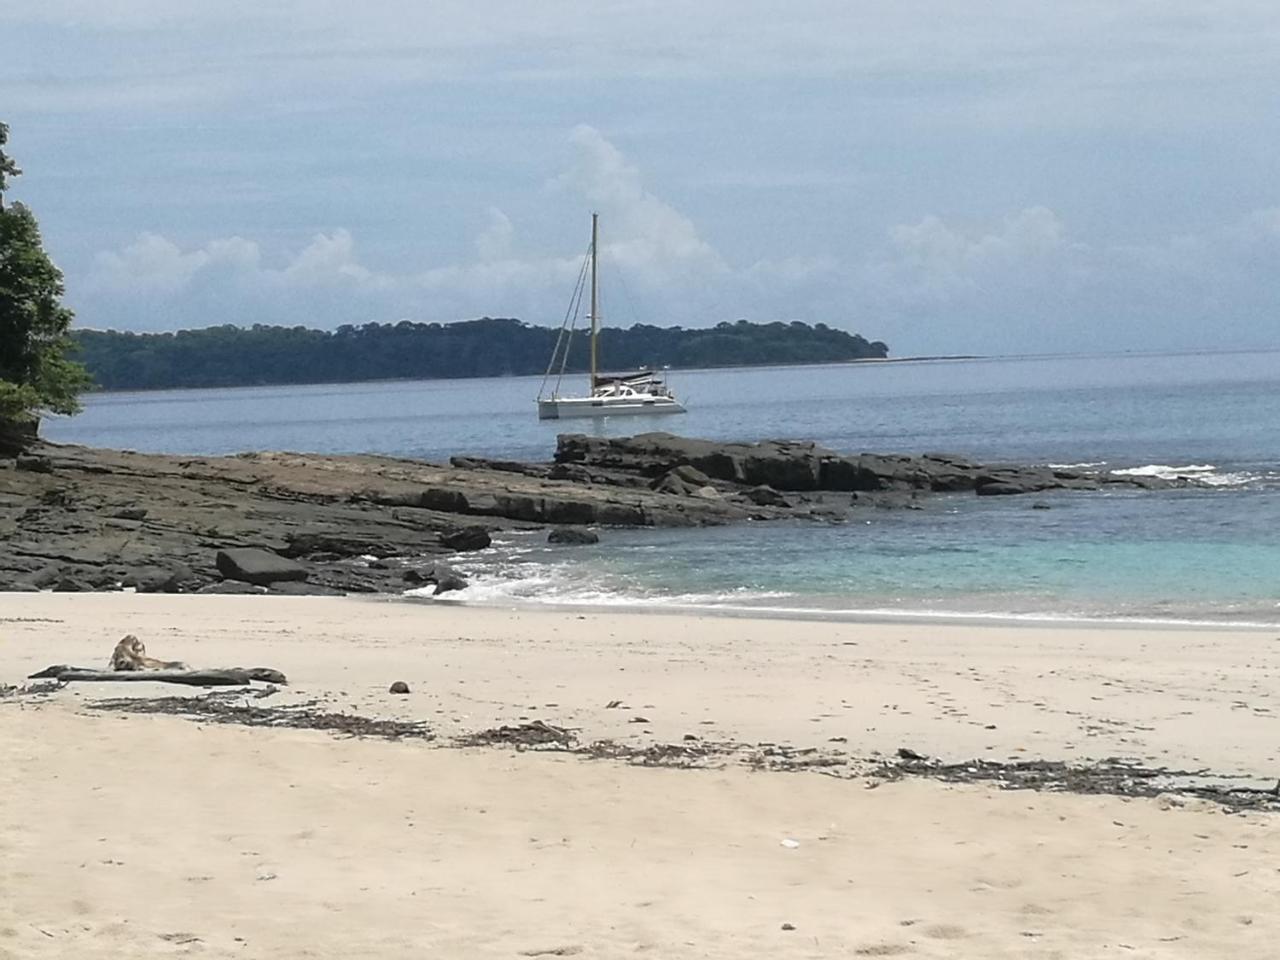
(671, 482)
(572, 536)
(462, 539)
(261, 567)
(442, 575)
(765, 496)
(691, 475)
(159, 579)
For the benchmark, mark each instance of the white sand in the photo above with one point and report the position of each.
(126, 836)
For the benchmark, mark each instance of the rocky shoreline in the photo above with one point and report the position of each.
(75, 518)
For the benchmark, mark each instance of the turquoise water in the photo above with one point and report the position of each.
(1211, 554)
(1178, 556)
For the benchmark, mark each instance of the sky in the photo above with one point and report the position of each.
(994, 176)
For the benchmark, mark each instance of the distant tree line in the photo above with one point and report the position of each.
(229, 356)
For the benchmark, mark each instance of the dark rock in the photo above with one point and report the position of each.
(261, 567)
(158, 579)
(446, 501)
(466, 538)
(231, 587)
(623, 515)
(567, 511)
(33, 464)
(572, 472)
(512, 506)
(68, 584)
(780, 464)
(442, 575)
(46, 577)
(347, 580)
(1010, 480)
(1004, 488)
(398, 687)
(1040, 505)
(576, 473)
(672, 483)
(502, 466)
(449, 582)
(766, 496)
(572, 535)
(129, 513)
(692, 475)
(308, 543)
(294, 588)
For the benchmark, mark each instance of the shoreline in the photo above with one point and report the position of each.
(868, 616)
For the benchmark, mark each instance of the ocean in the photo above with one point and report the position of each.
(1210, 554)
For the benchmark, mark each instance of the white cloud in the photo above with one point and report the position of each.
(494, 242)
(328, 259)
(644, 235)
(935, 260)
(153, 264)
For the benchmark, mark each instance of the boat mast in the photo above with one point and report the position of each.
(595, 293)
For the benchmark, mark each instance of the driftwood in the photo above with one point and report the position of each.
(224, 677)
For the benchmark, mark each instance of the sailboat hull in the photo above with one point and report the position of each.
(564, 407)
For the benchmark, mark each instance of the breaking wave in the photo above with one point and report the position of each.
(1205, 473)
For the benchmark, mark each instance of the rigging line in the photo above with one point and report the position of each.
(560, 336)
(575, 310)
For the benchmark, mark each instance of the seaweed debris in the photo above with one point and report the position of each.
(233, 708)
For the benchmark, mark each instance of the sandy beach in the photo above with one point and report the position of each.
(134, 835)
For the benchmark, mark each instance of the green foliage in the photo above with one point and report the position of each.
(36, 373)
(228, 356)
(8, 168)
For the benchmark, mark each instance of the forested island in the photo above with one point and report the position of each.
(229, 356)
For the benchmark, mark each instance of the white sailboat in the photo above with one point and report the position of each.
(618, 394)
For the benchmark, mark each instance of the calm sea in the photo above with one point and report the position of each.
(1208, 554)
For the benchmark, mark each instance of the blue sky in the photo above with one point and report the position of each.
(996, 177)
